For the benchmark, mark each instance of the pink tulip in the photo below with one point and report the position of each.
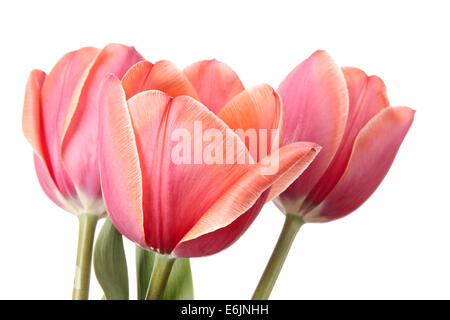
(348, 114)
(60, 122)
(188, 209)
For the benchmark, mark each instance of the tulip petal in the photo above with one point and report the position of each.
(136, 78)
(55, 97)
(315, 102)
(258, 112)
(119, 162)
(287, 179)
(31, 117)
(373, 153)
(170, 211)
(79, 140)
(163, 76)
(238, 198)
(32, 129)
(367, 96)
(46, 181)
(215, 83)
(222, 238)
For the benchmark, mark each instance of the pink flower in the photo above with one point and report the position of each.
(192, 208)
(60, 122)
(348, 114)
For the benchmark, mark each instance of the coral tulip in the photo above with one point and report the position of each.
(348, 114)
(60, 122)
(194, 207)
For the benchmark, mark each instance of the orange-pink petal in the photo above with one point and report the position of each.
(215, 83)
(163, 76)
(31, 117)
(257, 115)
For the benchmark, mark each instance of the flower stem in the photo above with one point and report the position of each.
(87, 224)
(291, 226)
(160, 276)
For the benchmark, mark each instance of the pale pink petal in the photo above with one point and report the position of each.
(372, 155)
(163, 76)
(79, 141)
(119, 162)
(316, 107)
(367, 98)
(258, 114)
(238, 198)
(215, 83)
(46, 181)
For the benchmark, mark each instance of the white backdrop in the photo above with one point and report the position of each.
(397, 245)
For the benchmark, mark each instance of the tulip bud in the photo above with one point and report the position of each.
(348, 114)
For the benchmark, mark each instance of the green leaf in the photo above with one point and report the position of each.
(179, 285)
(110, 263)
(144, 267)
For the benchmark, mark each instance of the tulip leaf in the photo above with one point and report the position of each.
(144, 267)
(179, 285)
(110, 263)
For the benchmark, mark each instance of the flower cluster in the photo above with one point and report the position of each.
(182, 161)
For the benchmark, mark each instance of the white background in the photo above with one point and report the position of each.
(397, 245)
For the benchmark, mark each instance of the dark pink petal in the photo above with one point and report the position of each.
(372, 155)
(367, 98)
(316, 107)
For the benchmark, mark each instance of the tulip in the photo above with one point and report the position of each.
(190, 208)
(348, 114)
(60, 122)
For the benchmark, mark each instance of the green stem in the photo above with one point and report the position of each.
(160, 276)
(86, 233)
(279, 254)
